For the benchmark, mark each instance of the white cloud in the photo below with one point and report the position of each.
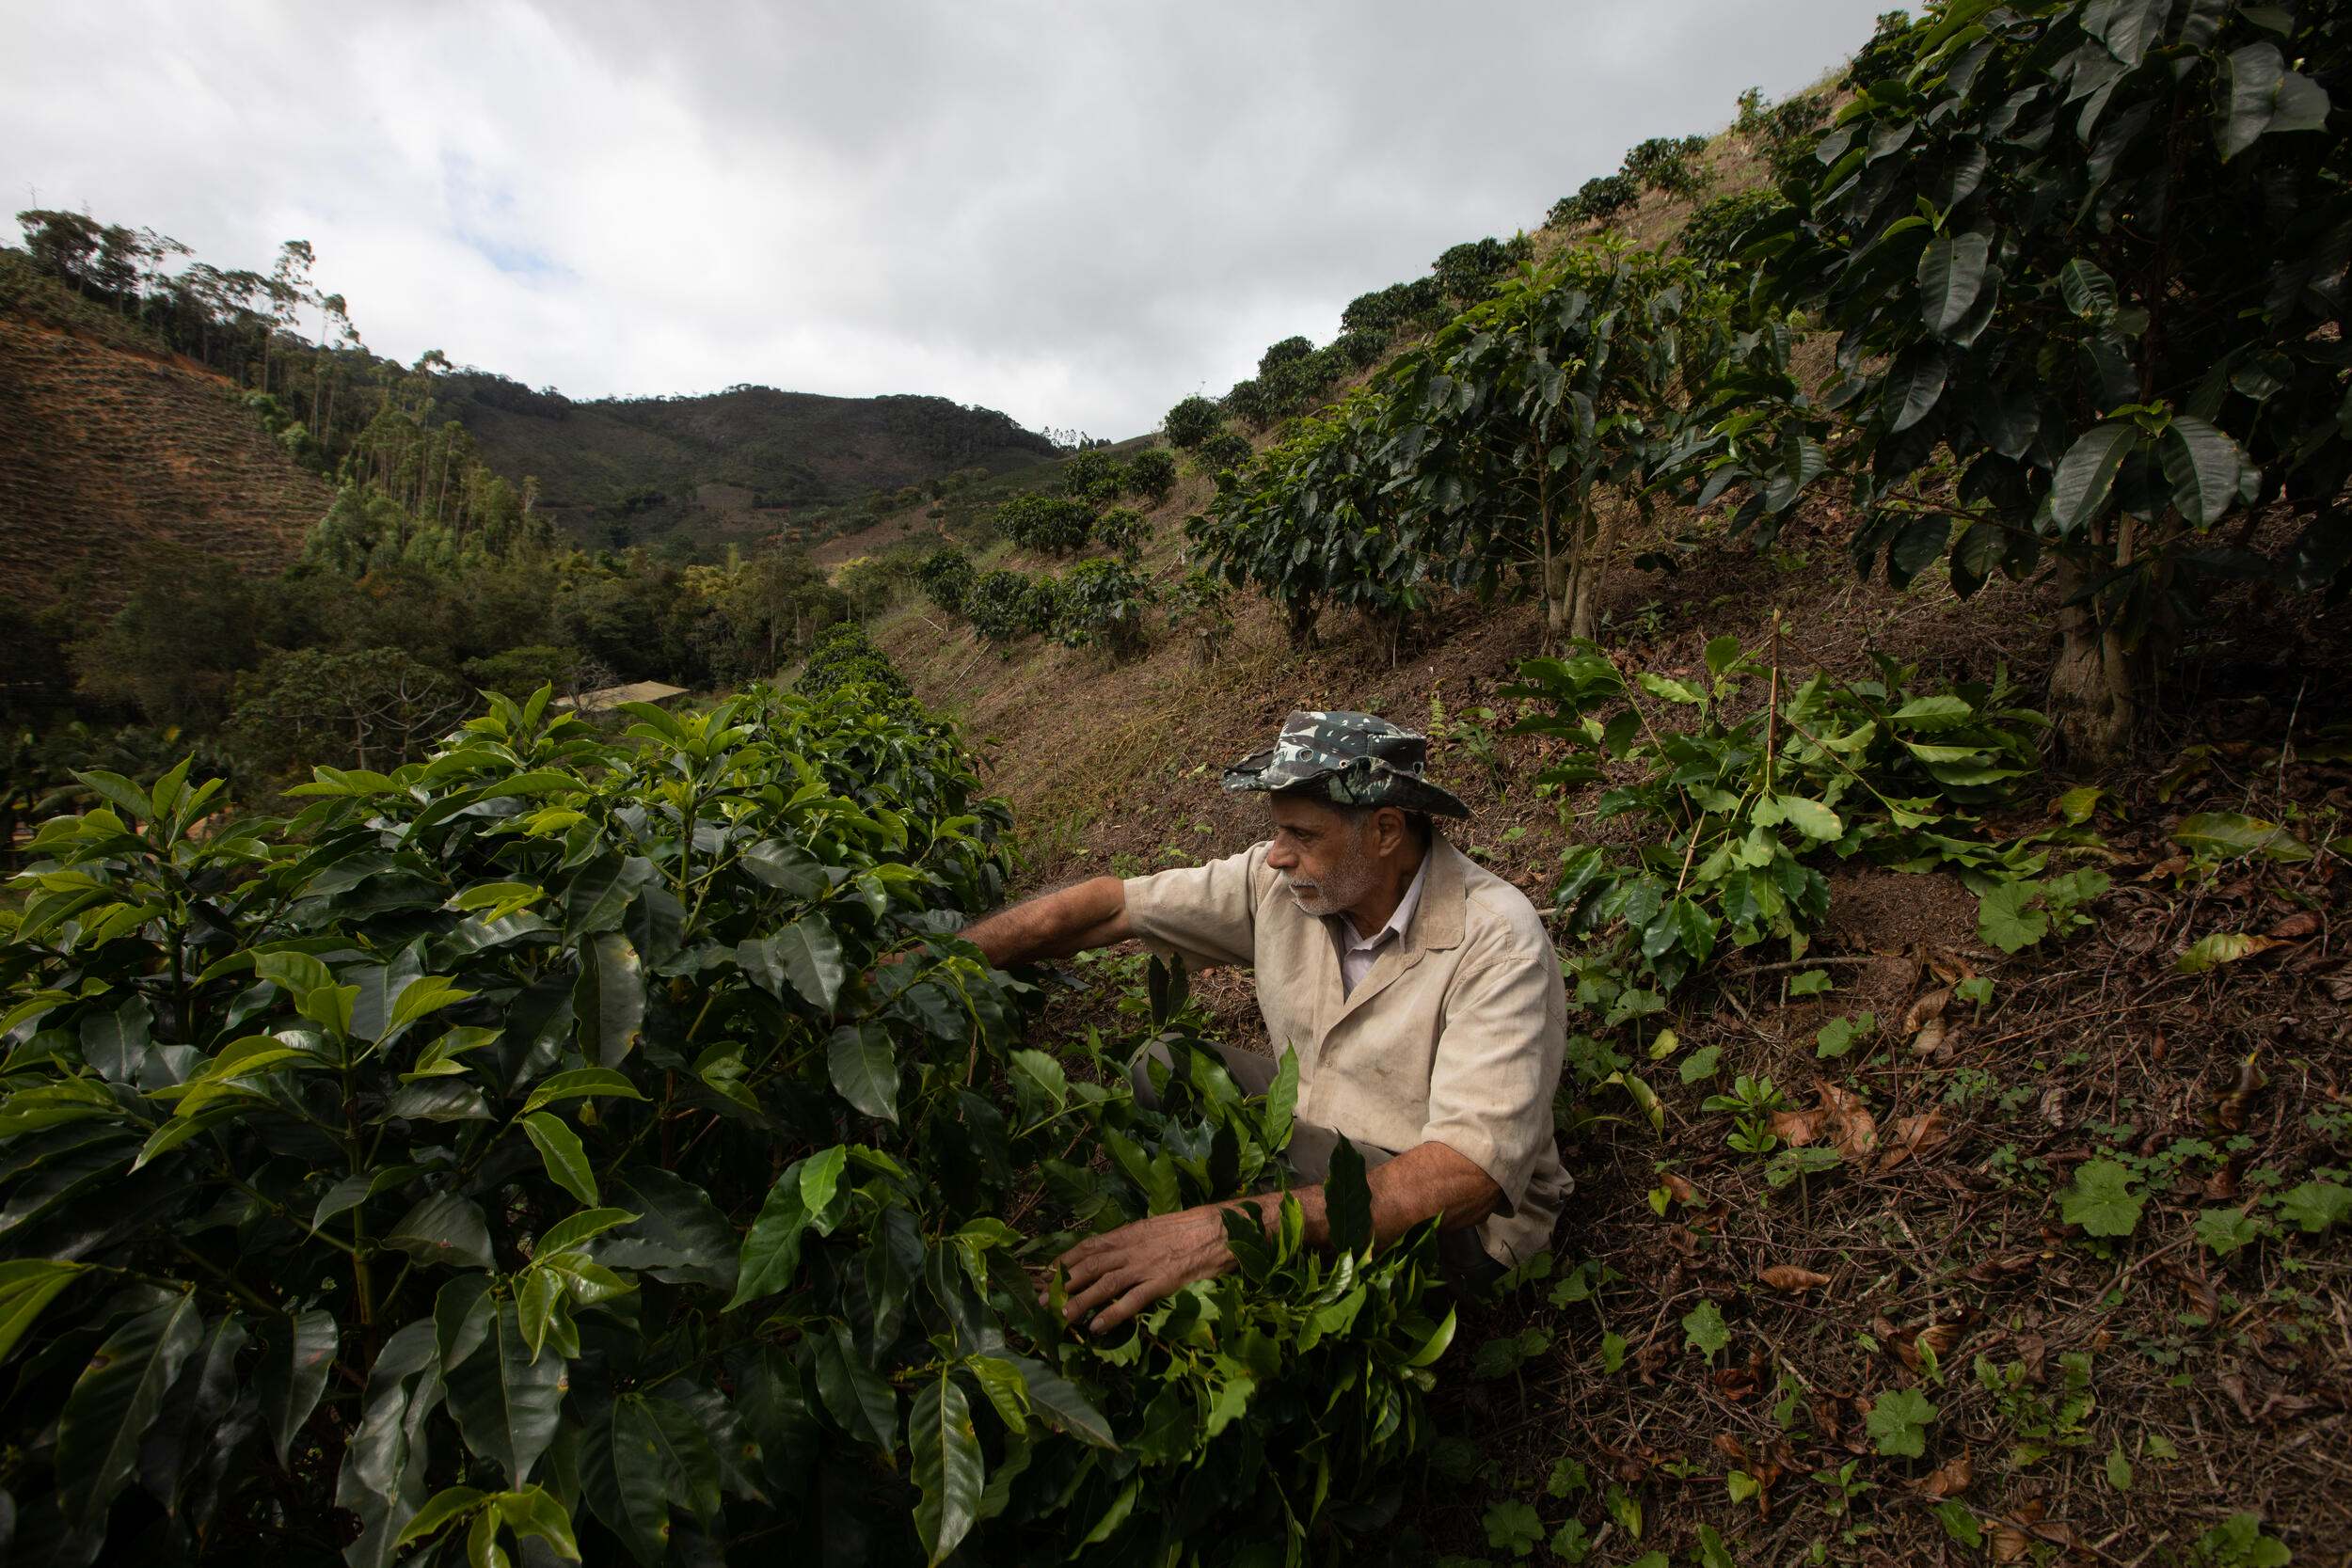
(1076, 214)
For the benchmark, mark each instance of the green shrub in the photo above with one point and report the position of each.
(1597, 202)
(844, 656)
(1005, 606)
(1714, 231)
(532, 1143)
(1193, 421)
(1398, 307)
(1200, 605)
(1669, 165)
(1123, 529)
(1225, 452)
(1152, 473)
(1466, 271)
(1250, 401)
(947, 576)
(871, 584)
(1093, 476)
(516, 672)
(1360, 349)
(1057, 525)
(1103, 603)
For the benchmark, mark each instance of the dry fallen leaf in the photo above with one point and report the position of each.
(1797, 1127)
(2294, 927)
(1916, 1138)
(1950, 1479)
(1852, 1127)
(1788, 1277)
(1928, 1009)
(1988, 1271)
(1680, 1190)
(1731, 1448)
(2230, 1110)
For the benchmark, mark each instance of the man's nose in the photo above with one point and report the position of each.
(1280, 857)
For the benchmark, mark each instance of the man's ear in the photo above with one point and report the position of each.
(1389, 829)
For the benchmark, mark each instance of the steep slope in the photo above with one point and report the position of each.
(105, 446)
(732, 463)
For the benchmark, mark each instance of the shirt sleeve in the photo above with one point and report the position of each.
(1205, 914)
(1499, 1056)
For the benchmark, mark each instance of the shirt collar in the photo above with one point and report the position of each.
(1398, 921)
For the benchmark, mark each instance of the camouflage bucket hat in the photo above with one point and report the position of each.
(1358, 760)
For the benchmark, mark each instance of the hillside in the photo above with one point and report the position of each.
(1716, 1353)
(106, 445)
(727, 466)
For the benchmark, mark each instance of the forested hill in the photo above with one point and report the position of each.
(745, 458)
(107, 443)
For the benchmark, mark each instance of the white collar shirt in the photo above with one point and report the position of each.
(1357, 954)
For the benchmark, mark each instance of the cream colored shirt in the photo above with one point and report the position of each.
(1454, 1035)
(1358, 952)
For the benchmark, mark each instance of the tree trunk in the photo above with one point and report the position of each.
(1592, 556)
(1301, 623)
(1556, 586)
(2094, 690)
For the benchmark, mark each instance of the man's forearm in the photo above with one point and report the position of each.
(1055, 925)
(1429, 1179)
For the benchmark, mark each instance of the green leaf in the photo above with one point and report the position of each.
(865, 1069)
(2086, 289)
(659, 1450)
(114, 1402)
(949, 1469)
(1671, 690)
(769, 1261)
(2228, 833)
(1347, 1200)
(2220, 947)
(2117, 1468)
(1701, 1064)
(2086, 473)
(1959, 1523)
(2204, 467)
(505, 1399)
(2315, 1204)
(1951, 276)
(566, 1160)
(1703, 1327)
(2263, 96)
(420, 998)
(1513, 1527)
(1899, 1420)
(2005, 918)
(2223, 1231)
(537, 1514)
(443, 1229)
(2100, 1200)
(463, 1311)
(26, 1286)
(568, 1233)
(1281, 1100)
(294, 1374)
(1713, 1552)
(1809, 817)
(1837, 1036)
(860, 1398)
(1062, 1406)
(580, 1083)
(1812, 982)
(609, 1001)
(447, 1506)
(805, 956)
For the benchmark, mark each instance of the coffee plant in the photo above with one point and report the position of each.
(1398, 307)
(947, 576)
(1124, 531)
(1596, 202)
(1714, 231)
(575, 1146)
(1093, 476)
(1054, 525)
(1103, 604)
(2094, 252)
(1466, 271)
(1192, 422)
(1669, 165)
(1152, 473)
(844, 656)
(1732, 811)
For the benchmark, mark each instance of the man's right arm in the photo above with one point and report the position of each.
(1088, 914)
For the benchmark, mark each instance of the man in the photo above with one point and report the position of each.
(1421, 992)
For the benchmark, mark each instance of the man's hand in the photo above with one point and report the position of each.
(1137, 1264)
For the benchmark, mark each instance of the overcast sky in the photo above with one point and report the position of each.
(1076, 214)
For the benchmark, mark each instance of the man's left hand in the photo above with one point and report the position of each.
(1121, 1272)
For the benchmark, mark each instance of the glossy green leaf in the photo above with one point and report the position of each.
(566, 1159)
(26, 1286)
(294, 1374)
(114, 1402)
(443, 1229)
(804, 958)
(608, 1002)
(505, 1399)
(2085, 474)
(1347, 1200)
(949, 1470)
(1951, 276)
(582, 1083)
(865, 1069)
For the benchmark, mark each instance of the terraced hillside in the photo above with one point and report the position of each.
(103, 448)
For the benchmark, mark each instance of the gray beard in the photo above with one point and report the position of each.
(1345, 884)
